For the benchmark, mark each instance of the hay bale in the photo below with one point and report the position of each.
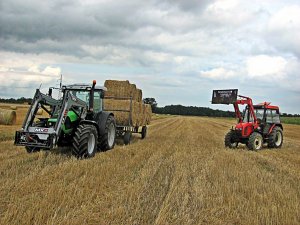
(117, 88)
(13, 107)
(138, 95)
(122, 118)
(7, 117)
(40, 112)
(147, 113)
(122, 89)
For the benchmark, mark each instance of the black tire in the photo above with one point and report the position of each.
(32, 149)
(127, 137)
(275, 138)
(230, 140)
(144, 132)
(85, 141)
(108, 139)
(255, 141)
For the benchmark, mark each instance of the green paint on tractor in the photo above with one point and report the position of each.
(73, 118)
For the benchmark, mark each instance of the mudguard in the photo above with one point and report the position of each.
(101, 121)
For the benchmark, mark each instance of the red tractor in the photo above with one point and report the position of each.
(258, 124)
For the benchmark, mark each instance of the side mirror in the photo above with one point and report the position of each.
(50, 92)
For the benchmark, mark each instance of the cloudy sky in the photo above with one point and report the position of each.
(177, 51)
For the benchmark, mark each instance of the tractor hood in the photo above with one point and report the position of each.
(245, 128)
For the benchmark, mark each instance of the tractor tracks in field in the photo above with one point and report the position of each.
(164, 174)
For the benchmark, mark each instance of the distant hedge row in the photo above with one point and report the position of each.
(21, 100)
(192, 111)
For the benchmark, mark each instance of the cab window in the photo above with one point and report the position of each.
(275, 115)
(269, 116)
(272, 116)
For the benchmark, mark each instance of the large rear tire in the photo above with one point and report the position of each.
(275, 138)
(231, 140)
(108, 139)
(255, 141)
(85, 141)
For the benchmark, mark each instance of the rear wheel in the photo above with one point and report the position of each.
(255, 141)
(107, 141)
(85, 141)
(275, 138)
(144, 132)
(32, 149)
(231, 139)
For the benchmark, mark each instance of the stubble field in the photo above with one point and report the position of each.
(180, 174)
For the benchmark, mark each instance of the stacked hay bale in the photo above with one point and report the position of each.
(124, 89)
(13, 107)
(148, 113)
(8, 117)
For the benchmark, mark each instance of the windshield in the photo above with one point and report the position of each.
(248, 118)
(259, 113)
(82, 95)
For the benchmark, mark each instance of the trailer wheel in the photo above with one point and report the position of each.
(255, 141)
(127, 137)
(275, 138)
(32, 149)
(85, 141)
(144, 132)
(107, 140)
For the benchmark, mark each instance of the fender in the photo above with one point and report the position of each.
(101, 120)
(275, 125)
(90, 122)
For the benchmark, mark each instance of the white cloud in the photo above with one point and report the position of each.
(288, 18)
(283, 29)
(264, 65)
(50, 70)
(218, 73)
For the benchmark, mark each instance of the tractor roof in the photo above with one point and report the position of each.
(265, 105)
(83, 87)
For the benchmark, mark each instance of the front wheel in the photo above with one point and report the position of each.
(231, 140)
(255, 141)
(85, 141)
(32, 149)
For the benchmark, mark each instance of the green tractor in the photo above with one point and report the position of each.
(76, 120)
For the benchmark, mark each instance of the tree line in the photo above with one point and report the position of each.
(21, 100)
(194, 110)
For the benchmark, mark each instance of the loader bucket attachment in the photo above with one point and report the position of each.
(228, 96)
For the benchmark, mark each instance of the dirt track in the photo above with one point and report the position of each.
(180, 174)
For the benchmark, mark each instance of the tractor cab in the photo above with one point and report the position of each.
(92, 96)
(266, 116)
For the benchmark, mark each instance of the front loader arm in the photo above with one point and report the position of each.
(39, 98)
(243, 101)
(69, 101)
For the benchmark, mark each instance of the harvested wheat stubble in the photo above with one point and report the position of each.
(123, 89)
(7, 117)
(122, 118)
